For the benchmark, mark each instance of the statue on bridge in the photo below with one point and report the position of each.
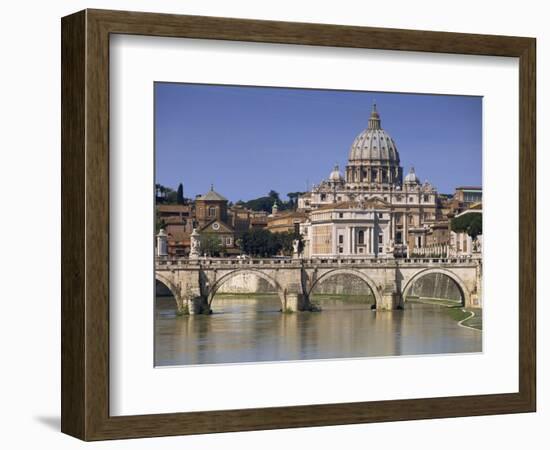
(194, 253)
(295, 248)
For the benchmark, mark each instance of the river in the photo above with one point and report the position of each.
(251, 329)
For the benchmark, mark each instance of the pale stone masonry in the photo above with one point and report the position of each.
(194, 283)
(372, 210)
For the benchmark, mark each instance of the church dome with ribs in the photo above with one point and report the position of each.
(374, 143)
(373, 157)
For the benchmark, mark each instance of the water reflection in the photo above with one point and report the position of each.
(252, 329)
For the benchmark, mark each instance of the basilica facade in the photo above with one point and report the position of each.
(371, 210)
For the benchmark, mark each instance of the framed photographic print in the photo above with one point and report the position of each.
(272, 225)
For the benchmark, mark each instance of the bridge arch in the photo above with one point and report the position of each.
(458, 281)
(260, 274)
(354, 272)
(169, 284)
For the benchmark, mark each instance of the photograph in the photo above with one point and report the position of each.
(300, 224)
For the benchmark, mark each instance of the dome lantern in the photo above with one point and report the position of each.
(374, 120)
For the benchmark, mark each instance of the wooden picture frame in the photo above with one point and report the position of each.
(85, 224)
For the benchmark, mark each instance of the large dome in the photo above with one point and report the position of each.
(374, 144)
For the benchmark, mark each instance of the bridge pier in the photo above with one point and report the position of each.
(296, 302)
(198, 305)
(391, 297)
(390, 300)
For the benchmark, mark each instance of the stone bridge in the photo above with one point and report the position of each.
(194, 282)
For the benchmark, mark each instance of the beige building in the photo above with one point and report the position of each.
(461, 243)
(373, 176)
(285, 221)
(177, 222)
(463, 198)
(348, 228)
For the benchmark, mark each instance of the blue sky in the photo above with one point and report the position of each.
(249, 140)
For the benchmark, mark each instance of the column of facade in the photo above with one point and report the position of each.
(334, 241)
(369, 240)
(405, 228)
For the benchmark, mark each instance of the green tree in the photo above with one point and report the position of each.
(264, 243)
(165, 194)
(259, 204)
(293, 199)
(259, 242)
(159, 224)
(266, 203)
(211, 244)
(179, 196)
(170, 196)
(287, 239)
(471, 223)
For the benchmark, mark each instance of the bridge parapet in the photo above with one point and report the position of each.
(168, 263)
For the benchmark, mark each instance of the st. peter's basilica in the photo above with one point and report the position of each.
(371, 210)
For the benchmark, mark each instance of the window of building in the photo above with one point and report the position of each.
(426, 198)
(472, 196)
(361, 237)
(341, 215)
(380, 238)
(398, 237)
(411, 199)
(340, 250)
(340, 239)
(211, 211)
(380, 215)
(361, 250)
(323, 197)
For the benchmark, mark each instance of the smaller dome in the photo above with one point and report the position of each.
(335, 175)
(411, 177)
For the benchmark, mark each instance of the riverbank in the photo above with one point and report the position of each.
(472, 318)
(465, 317)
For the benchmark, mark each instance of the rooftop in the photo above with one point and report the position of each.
(212, 195)
(173, 208)
(468, 188)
